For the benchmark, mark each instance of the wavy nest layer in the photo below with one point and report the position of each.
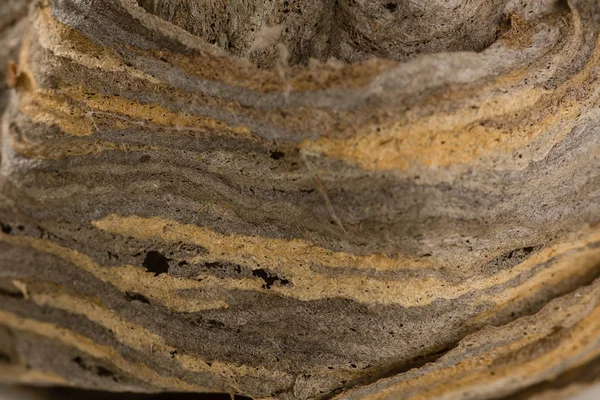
(301, 199)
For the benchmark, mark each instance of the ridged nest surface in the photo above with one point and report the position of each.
(301, 199)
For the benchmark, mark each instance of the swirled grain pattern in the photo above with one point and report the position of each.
(301, 199)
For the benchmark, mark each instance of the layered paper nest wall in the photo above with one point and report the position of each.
(301, 199)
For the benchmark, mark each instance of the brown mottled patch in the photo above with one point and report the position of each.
(519, 35)
(12, 74)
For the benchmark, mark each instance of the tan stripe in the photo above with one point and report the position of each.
(52, 108)
(283, 257)
(292, 258)
(19, 374)
(153, 113)
(443, 140)
(89, 347)
(66, 42)
(474, 375)
(161, 289)
(136, 336)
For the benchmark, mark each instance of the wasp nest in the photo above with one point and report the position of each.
(301, 199)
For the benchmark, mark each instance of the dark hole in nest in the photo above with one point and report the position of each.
(13, 294)
(79, 361)
(391, 6)
(5, 228)
(5, 358)
(156, 262)
(269, 278)
(97, 369)
(103, 372)
(277, 155)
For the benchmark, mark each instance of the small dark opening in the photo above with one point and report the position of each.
(104, 372)
(5, 358)
(9, 293)
(277, 155)
(79, 361)
(5, 228)
(269, 278)
(156, 262)
(391, 6)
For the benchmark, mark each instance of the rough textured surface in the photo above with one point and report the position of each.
(309, 199)
(348, 30)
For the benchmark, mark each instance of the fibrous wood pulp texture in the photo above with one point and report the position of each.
(301, 199)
